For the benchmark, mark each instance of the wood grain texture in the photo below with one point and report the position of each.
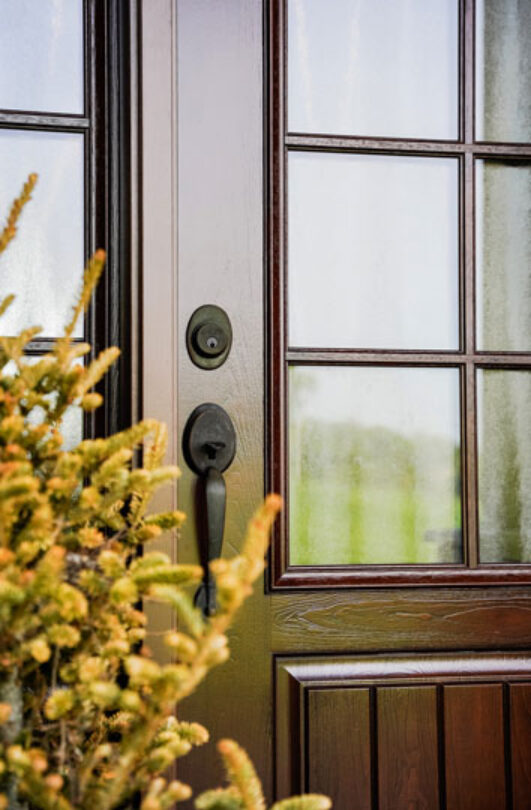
(401, 669)
(391, 576)
(218, 142)
(474, 747)
(203, 220)
(159, 371)
(339, 746)
(407, 748)
(367, 620)
(412, 759)
(289, 717)
(520, 724)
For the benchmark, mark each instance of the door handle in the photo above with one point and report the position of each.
(209, 446)
(215, 500)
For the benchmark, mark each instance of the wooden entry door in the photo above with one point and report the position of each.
(385, 658)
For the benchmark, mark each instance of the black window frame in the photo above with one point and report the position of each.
(108, 126)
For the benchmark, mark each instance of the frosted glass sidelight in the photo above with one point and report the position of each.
(504, 465)
(373, 67)
(503, 255)
(41, 55)
(43, 266)
(503, 70)
(373, 251)
(374, 465)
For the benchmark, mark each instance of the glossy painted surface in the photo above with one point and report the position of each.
(322, 733)
(374, 465)
(431, 732)
(503, 255)
(373, 251)
(41, 55)
(43, 266)
(370, 67)
(217, 228)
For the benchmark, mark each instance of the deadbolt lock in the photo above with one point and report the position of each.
(209, 336)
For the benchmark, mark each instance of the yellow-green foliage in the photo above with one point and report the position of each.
(244, 791)
(87, 717)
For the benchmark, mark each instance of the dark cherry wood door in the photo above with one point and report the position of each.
(350, 181)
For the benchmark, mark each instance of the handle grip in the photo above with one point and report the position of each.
(214, 500)
(215, 497)
(209, 445)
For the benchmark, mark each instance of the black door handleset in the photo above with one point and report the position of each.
(209, 442)
(209, 446)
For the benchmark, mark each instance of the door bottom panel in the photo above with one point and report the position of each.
(434, 732)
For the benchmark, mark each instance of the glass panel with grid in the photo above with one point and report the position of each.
(42, 56)
(362, 320)
(50, 124)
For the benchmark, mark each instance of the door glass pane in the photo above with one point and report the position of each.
(503, 255)
(503, 70)
(373, 251)
(504, 465)
(41, 55)
(43, 266)
(373, 67)
(374, 461)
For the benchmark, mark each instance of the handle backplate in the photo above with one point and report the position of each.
(209, 439)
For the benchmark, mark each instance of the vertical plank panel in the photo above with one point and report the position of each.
(407, 748)
(474, 746)
(520, 697)
(338, 745)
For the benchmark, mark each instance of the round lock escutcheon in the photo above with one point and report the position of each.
(209, 336)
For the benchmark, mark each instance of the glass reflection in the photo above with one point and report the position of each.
(373, 67)
(503, 255)
(43, 266)
(373, 251)
(374, 465)
(41, 55)
(504, 465)
(503, 70)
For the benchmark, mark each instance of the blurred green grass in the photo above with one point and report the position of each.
(371, 496)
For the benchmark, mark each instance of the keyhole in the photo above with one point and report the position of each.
(213, 448)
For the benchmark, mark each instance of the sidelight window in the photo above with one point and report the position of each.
(63, 96)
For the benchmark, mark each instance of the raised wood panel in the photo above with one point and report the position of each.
(289, 733)
(439, 724)
(520, 714)
(407, 748)
(339, 746)
(336, 621)
(474, 746)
